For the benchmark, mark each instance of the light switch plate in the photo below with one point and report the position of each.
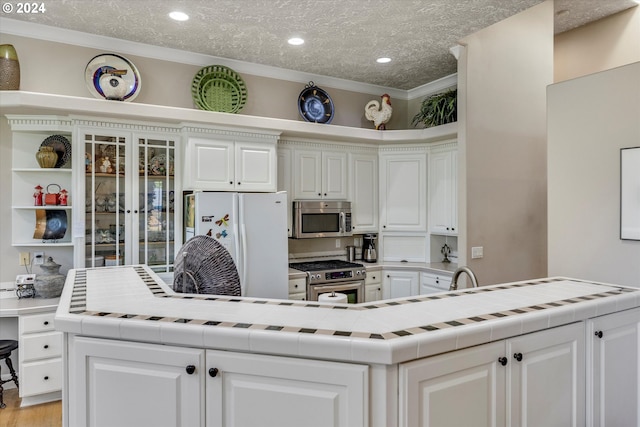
(477, 252)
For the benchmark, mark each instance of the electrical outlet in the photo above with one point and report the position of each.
(477, 252)
(38, 258)
(337, 243)
(24, 258)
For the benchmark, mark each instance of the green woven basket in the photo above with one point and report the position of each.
(218, 88)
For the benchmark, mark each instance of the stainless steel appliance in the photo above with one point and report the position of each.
(313, 218)
(369, 253)
(333, 276)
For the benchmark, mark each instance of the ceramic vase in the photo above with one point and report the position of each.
(46, 157)
(9, 68)
(49, 284)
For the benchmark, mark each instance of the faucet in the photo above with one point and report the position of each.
(458, 272)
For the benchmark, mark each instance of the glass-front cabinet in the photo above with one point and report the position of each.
(130, 190)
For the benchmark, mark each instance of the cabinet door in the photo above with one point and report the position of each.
(432, 282)
(285, 184)
(117, 383)
(546, 386)
(443, 192)
(463, 388)
(613, 369)
(255, 167)
(334, 176)
(397, 284)
(210, 165)
(307, 174)
(403, 182)
(259, 390)
(363, 192)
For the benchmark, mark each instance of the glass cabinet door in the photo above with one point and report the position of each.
(105, 201)
(156, 193)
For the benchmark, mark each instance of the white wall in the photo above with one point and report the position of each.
(502, 77)
(590, 119)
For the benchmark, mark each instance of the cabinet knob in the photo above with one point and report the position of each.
(503, 361)
(128, 210)
(325, 194)
(46, 322)
(384, 226)
(46, 378)
(213, 372)
(295, 286)
(319, 194)
(239, 183)
(230, 182)
(599, 334)
(135, 211)
(518, 356)
(46, 346)
(190, 369)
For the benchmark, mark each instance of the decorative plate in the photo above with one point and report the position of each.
(218, 88)
(61, 146)
(50, 224)
(315, 105)
(158, 165)
(102, 64)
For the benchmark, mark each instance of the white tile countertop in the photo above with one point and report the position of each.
(133, 303)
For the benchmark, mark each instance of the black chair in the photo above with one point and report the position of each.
(6, 347)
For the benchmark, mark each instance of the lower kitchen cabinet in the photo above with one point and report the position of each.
(434, 282)
(260, 390)
(530, 380)
(613, 369)
(397, 284)
(119, 383)
(298, 289)
(40, 359)
(373, 286)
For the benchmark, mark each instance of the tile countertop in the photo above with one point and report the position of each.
(10, 307)
(133, 303)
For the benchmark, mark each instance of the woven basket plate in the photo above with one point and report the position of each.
(218, 88)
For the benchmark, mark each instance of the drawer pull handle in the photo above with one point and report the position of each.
(46, 378)
(502, 360)
(213, 372)
(46, 322)
(190, 369)
(46, 346)
(599, 334)
(518, 356)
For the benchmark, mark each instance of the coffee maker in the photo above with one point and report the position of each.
(369, 248)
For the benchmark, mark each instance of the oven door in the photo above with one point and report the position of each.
(353, 290)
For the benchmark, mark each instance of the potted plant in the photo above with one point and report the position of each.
(438, 109)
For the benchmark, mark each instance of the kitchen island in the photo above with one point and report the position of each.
(486, 354)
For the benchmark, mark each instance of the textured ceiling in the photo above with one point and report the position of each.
(343, 37)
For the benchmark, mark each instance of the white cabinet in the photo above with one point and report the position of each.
(531, 380)
(230, 165)
(284, 182)
(40, 360)
(28, 134)
(373, 286)
(613, 369)
(319, 175)
(131, 213)
(363, 192)
(261, 390)
(443, 191)
(434, 282)
(119, 383)
(403, 191)
(397, 284)
(298, 289)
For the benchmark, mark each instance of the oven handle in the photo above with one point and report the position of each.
(337, 286)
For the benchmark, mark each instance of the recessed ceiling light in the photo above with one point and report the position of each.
(296, 41)
(383, 60)
(178, 16)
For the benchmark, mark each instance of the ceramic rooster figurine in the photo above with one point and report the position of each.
(379, 114)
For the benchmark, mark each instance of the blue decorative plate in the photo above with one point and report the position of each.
(102, 64)
(315, 105)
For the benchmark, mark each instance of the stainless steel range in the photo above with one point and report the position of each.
(333, 276)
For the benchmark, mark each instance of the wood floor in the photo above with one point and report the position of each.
(43, 415)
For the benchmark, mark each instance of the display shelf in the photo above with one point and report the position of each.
(47, 207)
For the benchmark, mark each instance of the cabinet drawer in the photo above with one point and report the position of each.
(434, 282)
(37, 323)
(373, 277)
(41, 346)
(40, 377)
(297, 285)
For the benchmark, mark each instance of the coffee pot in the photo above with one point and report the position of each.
(369, 248)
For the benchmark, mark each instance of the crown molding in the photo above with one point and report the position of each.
(77, 38)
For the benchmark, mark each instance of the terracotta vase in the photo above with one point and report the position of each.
(9, 68)
(46, 157)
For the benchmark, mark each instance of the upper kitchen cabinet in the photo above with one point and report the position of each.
(129, 189)
(284, 182)
(363, 191)
(319, 174)
(443, 189)
(403, 189)
(231, 161)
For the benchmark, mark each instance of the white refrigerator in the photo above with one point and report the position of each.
(253, 228)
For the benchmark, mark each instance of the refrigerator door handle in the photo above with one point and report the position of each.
(243, 237)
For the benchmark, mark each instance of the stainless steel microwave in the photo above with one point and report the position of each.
(314, 218)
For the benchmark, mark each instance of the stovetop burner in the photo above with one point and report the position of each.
(331, 264)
